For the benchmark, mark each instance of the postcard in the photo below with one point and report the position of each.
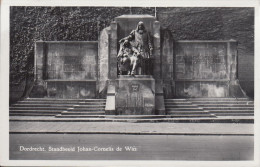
(129, 84)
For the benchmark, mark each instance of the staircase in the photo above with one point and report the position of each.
(89, 108)
(209, 107)
(58, 107)
(226, 106)
(184, 108)
(191, 110)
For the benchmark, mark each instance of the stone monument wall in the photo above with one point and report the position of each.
(204, 68)
(71, 60)
(67, 69)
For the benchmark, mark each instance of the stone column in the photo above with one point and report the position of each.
(156, 50)
(234, 87)
(112, 58)
(103, 61)
(40, 63)
(113, 51)
(157, 70)
(232, 54)
(167, 64)
(39, 88)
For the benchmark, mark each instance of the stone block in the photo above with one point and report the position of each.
(159, 98)
(135, 95)
(38, 91)
(111, 101)
(190, 89)
(71, 89)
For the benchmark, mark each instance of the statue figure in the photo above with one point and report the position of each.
(128, 58)
(140, 39)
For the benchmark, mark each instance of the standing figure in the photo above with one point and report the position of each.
(141, 40)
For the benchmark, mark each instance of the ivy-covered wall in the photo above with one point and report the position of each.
(30, 24)
(217, 24)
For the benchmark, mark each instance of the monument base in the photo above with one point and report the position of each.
(135, 95)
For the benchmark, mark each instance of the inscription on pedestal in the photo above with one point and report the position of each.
(135, 95)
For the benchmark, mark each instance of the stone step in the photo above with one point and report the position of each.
(233, 114)
(79, 116)
(93, 102)
(36, 111)
(232, 111)
(177, 103)
(175, 100)
(82, 113)
(180, 106)
(89, 106)
(228, 108)
(42, 105)
(137, 116)
(224, 119)
(222, 102)
(85, 109)
(187, 112)
(225, 105)
(117, 116)
(191, 115)
(183, 109)
(38, 108)
(65, 100)
(48, 102)
(60, 102)
(218, 99)
(32, 114)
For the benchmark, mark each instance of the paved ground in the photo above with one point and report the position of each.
(133, 128)
(133, 147)
(138, 141)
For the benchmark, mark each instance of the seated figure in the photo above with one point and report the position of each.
(128, 58)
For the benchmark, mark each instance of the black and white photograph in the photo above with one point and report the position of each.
(129, 84)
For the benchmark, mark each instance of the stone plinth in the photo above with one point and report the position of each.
(135, 95)
(71, 89)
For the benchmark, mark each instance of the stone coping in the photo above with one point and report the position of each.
(136, 77)
(64, 80)
(202, 80)
(136, 16)
(205, 41)
(68, 41)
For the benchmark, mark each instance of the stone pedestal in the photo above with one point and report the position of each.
(135, 95)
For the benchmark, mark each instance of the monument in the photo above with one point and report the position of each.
(135, 86)
(135, 64)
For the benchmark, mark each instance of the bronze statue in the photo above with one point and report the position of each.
(128, 58)
(141, 42)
